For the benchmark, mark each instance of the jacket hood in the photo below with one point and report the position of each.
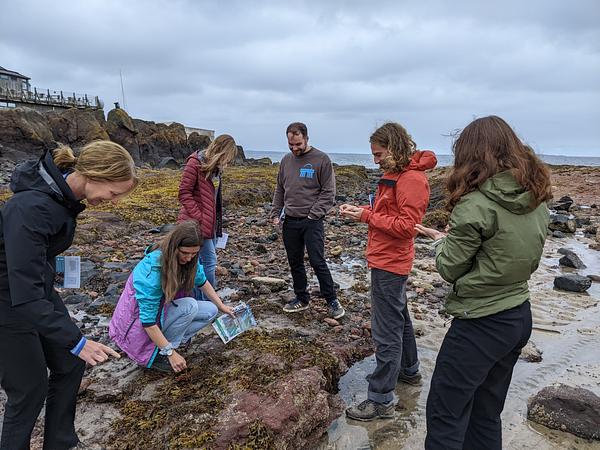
(43, 176)
(422, 160)
(503, 189)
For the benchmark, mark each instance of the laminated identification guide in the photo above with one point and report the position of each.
(228, 328)
(222, 241)
(70, 267)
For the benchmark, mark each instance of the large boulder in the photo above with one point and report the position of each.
(567, 408)
(572, 283)
(24, 133)
(294, 415)
(76, 127)
(121, 129)
(570, 259)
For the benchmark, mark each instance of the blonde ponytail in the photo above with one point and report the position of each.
(64, 158)
(98, 161)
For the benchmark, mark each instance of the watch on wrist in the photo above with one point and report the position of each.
(167, 350)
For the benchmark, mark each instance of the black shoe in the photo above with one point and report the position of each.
(335, 310)
(295, 306)
(410, 379)
(161, 363)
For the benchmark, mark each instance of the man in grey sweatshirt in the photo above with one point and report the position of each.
(304, 194)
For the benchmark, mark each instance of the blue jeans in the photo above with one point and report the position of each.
(208, 259)
(185, 317)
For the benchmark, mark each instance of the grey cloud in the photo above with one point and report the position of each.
(342, 66)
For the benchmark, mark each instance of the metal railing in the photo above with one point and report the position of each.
(50, 98)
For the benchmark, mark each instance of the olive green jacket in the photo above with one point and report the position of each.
(494, 244)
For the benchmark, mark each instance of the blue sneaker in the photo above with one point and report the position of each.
(295, 306)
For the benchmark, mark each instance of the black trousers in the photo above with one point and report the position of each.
(299, 234)
(472, 374)
(25, 358)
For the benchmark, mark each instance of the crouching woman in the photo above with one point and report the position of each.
(156, 313)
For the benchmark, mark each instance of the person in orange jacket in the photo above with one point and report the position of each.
(401, 200)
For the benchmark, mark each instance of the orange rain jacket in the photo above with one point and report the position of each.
(399, 205)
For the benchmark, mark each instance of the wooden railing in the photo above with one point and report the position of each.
(50, 98)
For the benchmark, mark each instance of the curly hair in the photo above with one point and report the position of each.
(399, 143)
(488, 146)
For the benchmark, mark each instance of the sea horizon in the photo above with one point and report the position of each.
(444, 160)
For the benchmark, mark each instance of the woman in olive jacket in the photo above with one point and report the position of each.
(498, 226)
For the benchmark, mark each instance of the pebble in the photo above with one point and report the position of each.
(331, 322)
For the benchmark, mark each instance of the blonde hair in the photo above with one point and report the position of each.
(219, 153)
(174, 276)
(98, 161)
(399, 143)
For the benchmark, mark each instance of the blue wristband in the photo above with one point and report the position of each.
(77, 349)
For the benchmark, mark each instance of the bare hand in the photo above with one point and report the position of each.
(429, 232)
(276, 221)
(227, 310)
(95, 352)
(351, 211)
(177, 362)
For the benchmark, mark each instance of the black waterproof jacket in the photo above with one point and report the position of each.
(36, 224)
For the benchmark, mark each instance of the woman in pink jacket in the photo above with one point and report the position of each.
(201, 199)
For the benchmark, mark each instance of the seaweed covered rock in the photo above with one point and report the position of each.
(265, 390)
(295, 404)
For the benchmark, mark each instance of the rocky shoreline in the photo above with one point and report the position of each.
(276, 386)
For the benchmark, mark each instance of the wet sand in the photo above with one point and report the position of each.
(566, 330)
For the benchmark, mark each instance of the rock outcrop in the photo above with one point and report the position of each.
(76, 128)
(25, 133)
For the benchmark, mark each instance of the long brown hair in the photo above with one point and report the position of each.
(399, 143)
(174, 276)
(488, 146)
(219, 153)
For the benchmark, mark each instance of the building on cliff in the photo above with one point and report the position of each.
(16, 91)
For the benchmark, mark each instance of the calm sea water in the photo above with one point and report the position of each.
(443, 160)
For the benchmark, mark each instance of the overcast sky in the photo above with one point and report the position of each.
(342, 67)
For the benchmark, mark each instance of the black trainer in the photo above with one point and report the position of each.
(295, 306)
